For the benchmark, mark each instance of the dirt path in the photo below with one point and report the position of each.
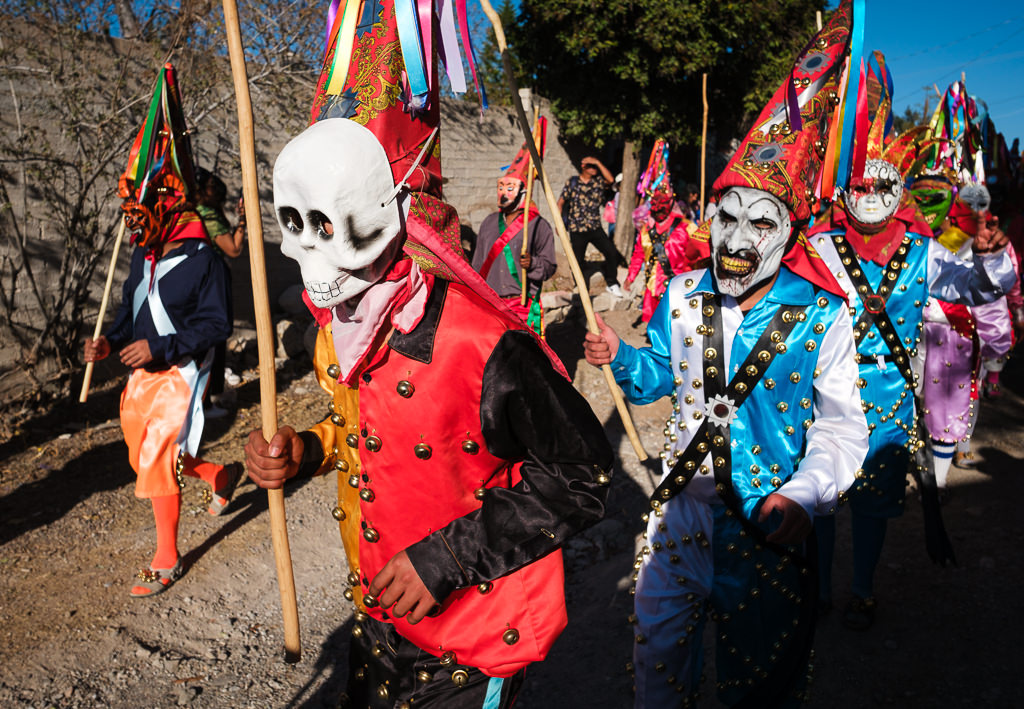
(71, 534)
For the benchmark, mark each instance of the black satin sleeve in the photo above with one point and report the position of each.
(312, 455)
(528, 413)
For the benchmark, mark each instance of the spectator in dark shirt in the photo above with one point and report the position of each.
(227, 241)
(582, 200)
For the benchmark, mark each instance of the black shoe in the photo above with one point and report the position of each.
(859, 613)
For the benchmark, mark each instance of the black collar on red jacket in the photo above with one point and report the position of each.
(419, 343)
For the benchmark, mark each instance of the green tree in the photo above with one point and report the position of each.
(910, 119)
(630, 70)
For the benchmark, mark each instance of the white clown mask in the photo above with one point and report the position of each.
(749, 233)
(872, 200)
(333, 191)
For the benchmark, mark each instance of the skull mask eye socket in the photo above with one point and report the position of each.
(323, 226)
(290, 219)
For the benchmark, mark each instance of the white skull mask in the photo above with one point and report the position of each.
(332, 196)
(873, 200)
(749, 233)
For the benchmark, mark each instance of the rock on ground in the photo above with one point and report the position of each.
(72, 533)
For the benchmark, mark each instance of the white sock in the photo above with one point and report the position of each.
(942, 457)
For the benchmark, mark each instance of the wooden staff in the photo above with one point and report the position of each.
(526, 209)
(563, 236)
(817, 19)
(703, 141)
(103, 310)
(264, 331)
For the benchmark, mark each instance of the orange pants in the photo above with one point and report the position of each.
(154, 408)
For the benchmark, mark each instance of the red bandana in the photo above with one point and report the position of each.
(880, 247)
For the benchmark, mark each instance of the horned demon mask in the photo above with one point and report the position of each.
(334, 200)
(749, 233)
(872, 200)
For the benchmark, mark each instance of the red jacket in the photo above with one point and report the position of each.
(461, 445)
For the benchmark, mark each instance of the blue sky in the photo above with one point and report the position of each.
(931, 41)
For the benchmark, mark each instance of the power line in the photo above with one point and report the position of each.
(958, 41)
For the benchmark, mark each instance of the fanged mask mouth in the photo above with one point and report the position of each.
(737, 265)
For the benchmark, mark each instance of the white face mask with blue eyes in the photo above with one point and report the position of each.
(749, 233)
(333, 197)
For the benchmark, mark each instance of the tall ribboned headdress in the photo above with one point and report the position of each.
(784, 151)
(520, 165)
(656, 178)
(158, 186)
(380, 71)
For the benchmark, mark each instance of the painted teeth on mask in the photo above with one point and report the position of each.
(323, 290)
(735, 266)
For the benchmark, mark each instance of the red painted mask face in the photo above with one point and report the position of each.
(661, 206)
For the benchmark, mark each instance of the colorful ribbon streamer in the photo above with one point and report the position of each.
(412, 48)
(849, 116)
(344, 35)
(467, 46)
(450, 54)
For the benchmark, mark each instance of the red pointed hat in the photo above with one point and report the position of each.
(783, 152)
(522, 160)
(365, 78)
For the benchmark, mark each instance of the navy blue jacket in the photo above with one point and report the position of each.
(195, 294)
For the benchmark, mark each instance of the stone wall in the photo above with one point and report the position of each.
(474, 148)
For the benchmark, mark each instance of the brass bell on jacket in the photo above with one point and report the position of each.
(471, 447)
(484, 587)
(373, 444)
(352, 440)
(337, 419)
(422, 451)
(333, 371)
(460, 678)
(338, 514)
(341, 465)
(448, 659)
(405, 389)
(510, 636)
(353, 480)
(366, 495)
(371, 535)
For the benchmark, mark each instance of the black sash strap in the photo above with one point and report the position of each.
(774, 689)
(711, 435)
(874, 303)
